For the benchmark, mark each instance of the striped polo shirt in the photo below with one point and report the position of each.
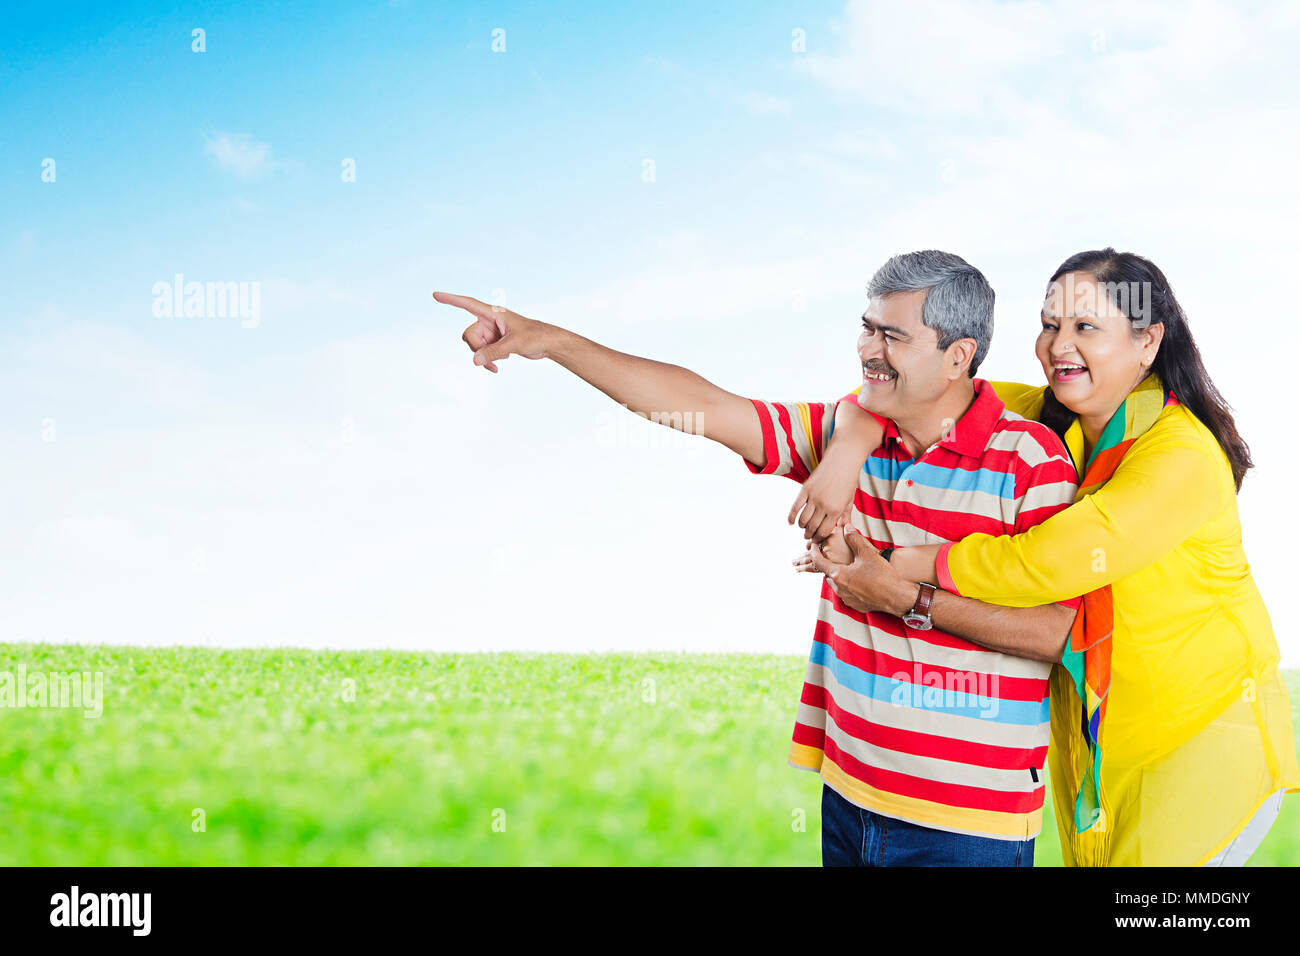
(925, 726)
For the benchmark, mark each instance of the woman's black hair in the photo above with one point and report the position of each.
(1178, 361)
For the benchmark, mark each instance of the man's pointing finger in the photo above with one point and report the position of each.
(468, 303)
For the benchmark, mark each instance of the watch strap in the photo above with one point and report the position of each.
(925, 595)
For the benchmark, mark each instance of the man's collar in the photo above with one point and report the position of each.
(891, 431)
(971, 434)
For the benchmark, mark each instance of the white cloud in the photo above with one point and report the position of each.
(662, 64)
(764, 104)
(281, 295)
(937, 56)
(1035, 131)
(122, 368)
(240, 154)
(989, 61)
(861, 146)
(377, 491)
(698, 281)
(380, 490)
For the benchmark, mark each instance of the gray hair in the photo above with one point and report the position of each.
(958, 300)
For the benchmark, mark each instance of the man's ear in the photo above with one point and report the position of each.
(957, 358)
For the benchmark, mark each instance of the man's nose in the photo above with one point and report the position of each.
(871, 347)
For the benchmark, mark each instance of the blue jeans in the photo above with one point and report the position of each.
(852, 836)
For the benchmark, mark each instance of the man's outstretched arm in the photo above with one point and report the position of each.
(667, 394)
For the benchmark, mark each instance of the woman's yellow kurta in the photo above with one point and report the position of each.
(1197, 732)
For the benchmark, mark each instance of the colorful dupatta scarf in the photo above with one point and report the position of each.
(1087, 655)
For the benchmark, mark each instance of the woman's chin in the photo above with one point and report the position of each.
(1072, 395)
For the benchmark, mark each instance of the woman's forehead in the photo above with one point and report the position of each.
(1078, 295)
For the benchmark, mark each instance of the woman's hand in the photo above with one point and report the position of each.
(835, 548)
(868, 582)
(825, 500)
(916, 563)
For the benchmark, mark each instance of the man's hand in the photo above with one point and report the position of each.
(868, 582)
(497, 332)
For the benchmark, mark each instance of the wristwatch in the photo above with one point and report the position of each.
(918, 617)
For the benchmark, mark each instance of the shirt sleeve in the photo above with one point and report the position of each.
(1045, 488)
(795, 435)
(1166, 486)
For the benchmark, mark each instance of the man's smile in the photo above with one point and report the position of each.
(874, 376)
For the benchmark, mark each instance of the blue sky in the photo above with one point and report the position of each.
(339, 474)
(451, 141)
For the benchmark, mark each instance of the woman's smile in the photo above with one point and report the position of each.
(1069, 371)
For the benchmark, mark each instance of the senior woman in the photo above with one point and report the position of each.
(1171, 729)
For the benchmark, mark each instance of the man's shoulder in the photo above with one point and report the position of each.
(1024, 399)
(1033, 442)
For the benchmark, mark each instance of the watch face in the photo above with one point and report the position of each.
(917, 622)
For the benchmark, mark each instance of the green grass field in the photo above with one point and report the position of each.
(322, 757)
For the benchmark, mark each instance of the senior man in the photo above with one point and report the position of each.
(927, 721)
